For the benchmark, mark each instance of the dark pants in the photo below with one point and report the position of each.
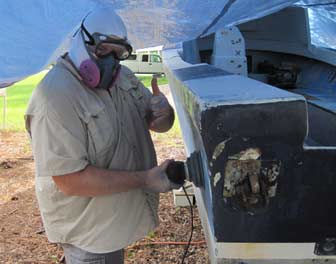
(75, 255)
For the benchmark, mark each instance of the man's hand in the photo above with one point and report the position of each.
(156, 180)
(162, 117)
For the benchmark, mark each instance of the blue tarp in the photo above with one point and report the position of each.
(35, 32)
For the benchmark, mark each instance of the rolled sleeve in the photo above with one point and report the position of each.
(59, 144)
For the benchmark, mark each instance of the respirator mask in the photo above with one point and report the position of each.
(97, 55)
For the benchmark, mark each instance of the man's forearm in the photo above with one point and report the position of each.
(94, 181)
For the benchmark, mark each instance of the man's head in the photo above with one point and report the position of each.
(98, 46)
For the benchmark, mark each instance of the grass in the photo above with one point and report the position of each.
(18, 97)
(17, 100)
(146, 80)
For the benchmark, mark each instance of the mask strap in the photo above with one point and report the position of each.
(91, 40)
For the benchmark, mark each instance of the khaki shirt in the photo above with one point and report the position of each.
(72, 126)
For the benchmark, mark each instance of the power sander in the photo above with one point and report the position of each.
(191, 170)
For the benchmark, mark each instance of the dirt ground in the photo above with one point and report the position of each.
(22, 237)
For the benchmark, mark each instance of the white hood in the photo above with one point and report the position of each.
(100, 20)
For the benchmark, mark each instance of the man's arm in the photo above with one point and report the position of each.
(93, 181)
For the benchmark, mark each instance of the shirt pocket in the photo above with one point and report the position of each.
(100, 131)
(130, 85)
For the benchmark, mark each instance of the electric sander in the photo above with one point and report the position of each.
(191, 170)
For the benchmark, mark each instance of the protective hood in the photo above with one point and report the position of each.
(100, 20)
(106, 21)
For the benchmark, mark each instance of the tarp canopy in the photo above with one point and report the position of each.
(35, 32)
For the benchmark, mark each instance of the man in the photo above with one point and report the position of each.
(97, 180)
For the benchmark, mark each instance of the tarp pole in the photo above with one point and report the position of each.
(3, 94)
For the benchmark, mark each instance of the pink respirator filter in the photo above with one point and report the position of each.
(90, 73)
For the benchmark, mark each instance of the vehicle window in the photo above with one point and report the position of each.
(155, 58)
(144, 57)
(132, 57)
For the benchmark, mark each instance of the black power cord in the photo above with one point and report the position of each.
(192, 225)
(176, 173)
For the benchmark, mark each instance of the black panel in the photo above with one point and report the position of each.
(322, 125)
(303, 208)
(265, 186)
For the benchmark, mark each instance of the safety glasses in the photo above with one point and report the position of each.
(106, 45)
